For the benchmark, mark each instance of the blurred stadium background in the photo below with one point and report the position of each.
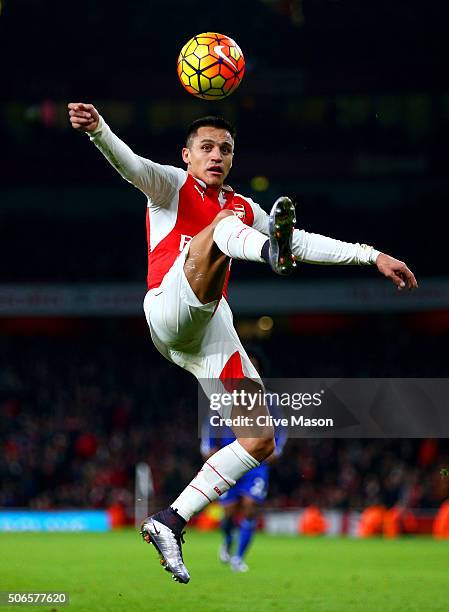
(345, 107)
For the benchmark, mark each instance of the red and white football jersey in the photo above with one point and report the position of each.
(187, 207)
(180, 206)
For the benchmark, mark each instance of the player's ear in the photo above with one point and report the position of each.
(186, 155)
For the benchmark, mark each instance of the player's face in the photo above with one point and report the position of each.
(209, 156)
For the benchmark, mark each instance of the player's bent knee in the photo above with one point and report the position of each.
(204, 241)
(220, 216)
(263, 447)
(259, 448)
(267, 447)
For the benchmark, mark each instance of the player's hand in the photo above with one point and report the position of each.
(83, 117)
(397, 271)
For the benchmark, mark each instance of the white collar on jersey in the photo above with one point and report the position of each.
(204, 186)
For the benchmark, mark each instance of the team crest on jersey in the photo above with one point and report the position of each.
(239, 211)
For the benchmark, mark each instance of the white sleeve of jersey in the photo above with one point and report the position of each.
(260, 217)
(159, 183)
(317, 249)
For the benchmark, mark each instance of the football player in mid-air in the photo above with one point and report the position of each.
(195, 225)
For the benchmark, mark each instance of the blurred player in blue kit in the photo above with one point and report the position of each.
(245, 498)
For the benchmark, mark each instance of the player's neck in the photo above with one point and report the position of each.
(216, 188)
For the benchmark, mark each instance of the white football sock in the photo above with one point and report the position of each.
(218, 474)
(238, 240)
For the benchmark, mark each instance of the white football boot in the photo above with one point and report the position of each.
(168, 546)
(238, 565)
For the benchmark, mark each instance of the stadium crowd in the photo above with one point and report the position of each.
(78, 412)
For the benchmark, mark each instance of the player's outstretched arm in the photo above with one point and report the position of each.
(85, 118)
(158, 182)
(318, 249)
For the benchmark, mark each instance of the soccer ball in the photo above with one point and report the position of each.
(211, 66)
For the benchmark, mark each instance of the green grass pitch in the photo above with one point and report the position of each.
(117, 571)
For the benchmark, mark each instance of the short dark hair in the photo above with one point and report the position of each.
(209, 121)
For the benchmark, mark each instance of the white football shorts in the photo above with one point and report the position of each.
(200, 338)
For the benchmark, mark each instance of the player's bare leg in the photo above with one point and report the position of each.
(219, 473)
(206, 266)
(209, 251)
